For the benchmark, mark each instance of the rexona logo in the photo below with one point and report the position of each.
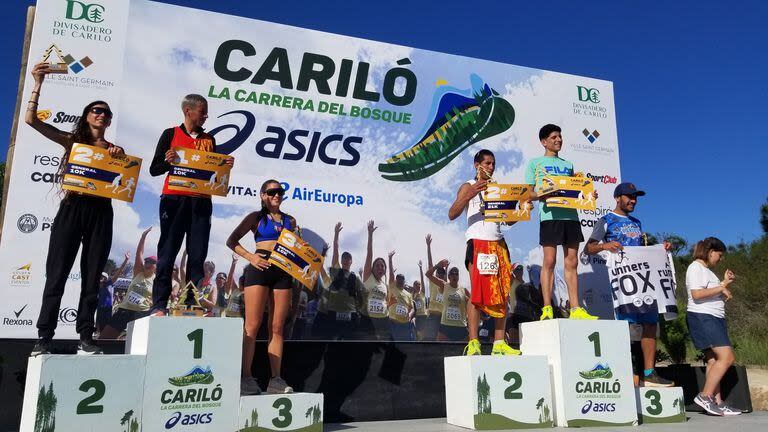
(188, 419)
(588, 94)
(17, 320)
(21, 276)
(598, 407)
(77, 10)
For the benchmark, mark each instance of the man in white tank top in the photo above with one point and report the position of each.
(487, 258)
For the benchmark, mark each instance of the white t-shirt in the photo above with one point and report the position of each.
(699, 277)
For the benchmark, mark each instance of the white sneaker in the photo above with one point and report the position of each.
(278, 385)
(249, 386)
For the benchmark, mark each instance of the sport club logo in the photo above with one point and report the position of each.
(605, 179)
(60, 118)
(21, 276)
(77, 10)
(17, 319)
(64, 62)
(27, 223)
(591, 136)
(588, 94)
(459, 118)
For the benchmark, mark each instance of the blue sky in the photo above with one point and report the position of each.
(689, 81)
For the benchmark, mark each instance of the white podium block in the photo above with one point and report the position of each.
(591, 369)
(192, 371)
(83, 393)
(281, 412)
(660, 404)
(485, 392)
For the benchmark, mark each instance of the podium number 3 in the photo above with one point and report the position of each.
(284, 417)
(655, 407)
(595, 339)
(86, 405)
(196, 337)
(517, 382)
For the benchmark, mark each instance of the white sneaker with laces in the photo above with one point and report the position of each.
(728, 410)
(278, 385)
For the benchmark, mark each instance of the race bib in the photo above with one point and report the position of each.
(137, 299)
(453, 314)
(418, 304)
(343, 316)
(487, 264)
(376, 306)
(401, 310)
(439, 298)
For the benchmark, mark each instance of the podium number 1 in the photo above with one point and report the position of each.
(196, 337)
(595, 339)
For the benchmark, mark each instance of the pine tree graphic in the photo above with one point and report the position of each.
(45, 417)
(483, 396)
(95, 15)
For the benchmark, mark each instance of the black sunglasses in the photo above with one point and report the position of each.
(99, 110)
(275, 191)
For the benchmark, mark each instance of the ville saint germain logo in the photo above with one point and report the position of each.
(77, 10)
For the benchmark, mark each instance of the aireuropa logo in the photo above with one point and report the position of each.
(27, 223)
(67, 315)
(188, 419)
(77, 10)
(17, 320)
(588, 94)
(21, 276)
(591, 136)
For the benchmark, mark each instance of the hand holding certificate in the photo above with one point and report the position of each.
(507, 202)
(92, 170)
(297, 258)
(201, 172)
(568, 192)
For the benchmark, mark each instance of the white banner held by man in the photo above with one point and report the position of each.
(642, 280)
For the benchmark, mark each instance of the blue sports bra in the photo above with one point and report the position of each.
(267, 229)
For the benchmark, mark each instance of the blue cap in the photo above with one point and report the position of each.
(627, 189)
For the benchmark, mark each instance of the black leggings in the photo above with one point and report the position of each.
(85, 220)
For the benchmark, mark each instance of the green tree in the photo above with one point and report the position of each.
(763, 214)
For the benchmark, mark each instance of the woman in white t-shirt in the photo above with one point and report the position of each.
(707, 295)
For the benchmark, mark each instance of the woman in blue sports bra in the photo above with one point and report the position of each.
(264, 283)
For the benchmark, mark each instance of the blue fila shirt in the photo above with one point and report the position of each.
(550, 166)
(625, 230)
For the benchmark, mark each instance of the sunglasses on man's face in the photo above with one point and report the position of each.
(100, 110)
(276, 191)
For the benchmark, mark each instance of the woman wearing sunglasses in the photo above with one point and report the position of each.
(264, 283)
(81, 219)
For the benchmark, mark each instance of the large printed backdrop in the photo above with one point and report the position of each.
(356, 129)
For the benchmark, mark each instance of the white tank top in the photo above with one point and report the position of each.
(477, 227)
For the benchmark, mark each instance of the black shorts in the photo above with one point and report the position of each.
(560, 232)
(273, 277)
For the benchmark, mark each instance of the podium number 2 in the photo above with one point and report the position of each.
(196, 337)
(595, 339)
(655, 407)
(284, 417)
(86, 405)
(517, 382)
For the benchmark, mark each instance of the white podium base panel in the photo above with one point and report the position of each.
(192, 372)
(83, 393)
(591, 369)
(486, 393)
(660, 404)
(295, 412)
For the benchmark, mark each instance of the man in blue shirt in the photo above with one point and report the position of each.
(612, 232)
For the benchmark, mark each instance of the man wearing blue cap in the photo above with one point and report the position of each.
(612, 232)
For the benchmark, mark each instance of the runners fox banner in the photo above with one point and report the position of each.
(507, 202)
(91, 170)
(200, 172)
(297, 258)
(642, 280)
(355, 130)
(569, 192)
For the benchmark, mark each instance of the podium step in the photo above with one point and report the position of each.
(488, 393)
(294, 412)
(591, 369)
(83, 393)
(660, 405)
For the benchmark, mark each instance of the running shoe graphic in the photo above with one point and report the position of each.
(197, 375)
(599, 371)
(460, 118)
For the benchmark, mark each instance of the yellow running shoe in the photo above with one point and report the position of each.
(546, 313)
(502, 349)
(473, 348)
(580, 313)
